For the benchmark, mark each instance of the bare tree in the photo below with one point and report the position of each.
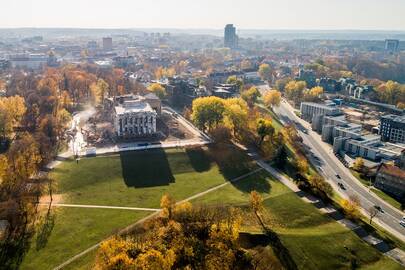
(373, 213)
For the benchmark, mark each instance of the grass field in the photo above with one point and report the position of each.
(74, 230)
(134, 179)
(314, 240)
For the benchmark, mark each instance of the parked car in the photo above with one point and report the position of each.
(341, 186)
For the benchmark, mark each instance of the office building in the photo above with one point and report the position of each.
(107, 44)
(392, 128)
(309, 110)
(391, 179)
(391, 45)
(230, 37)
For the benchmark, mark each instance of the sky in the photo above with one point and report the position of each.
(206, 14)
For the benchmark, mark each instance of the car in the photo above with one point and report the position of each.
(341, 186)
(379, 208)
(402, 223)
(338, 176)
(143, 144)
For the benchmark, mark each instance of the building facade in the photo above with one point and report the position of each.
(107, 44)
(133, 116)
(230, 37)
(392, 128)
(310, 109)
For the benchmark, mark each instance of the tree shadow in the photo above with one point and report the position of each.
(232, 162)
(256, 182)
(45, 229)
(199, 159)
(148, 168)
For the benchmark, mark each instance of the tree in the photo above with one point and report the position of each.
(158, 90)
(208, 112)
(313, 94)
(264, 128)
(295, 90)
(302, 165)
(3, 167)
(251, 95)
(272, 98)
(318, 183)
(236, 115)
(235, 80)
(167, 204)
(266, 72)
(256, 202)
(12, 110)
(373, 213)
(358, 164)
(351, 207)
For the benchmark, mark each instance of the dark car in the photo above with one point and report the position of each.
(338, 176)
(379, 208)
(341, 186)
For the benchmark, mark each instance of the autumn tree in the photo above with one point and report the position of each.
(235, 80)
(208, 112)
(167, 203)
(251, 95)
(320, 185)
(98, 91)
(302, 165)
(358, 164)
(264, 128)
(157, 89)
(295, 90)
(272, 98)
(12, 110)
(313, 94)
(266, 72)
(256, 202)
(236, 115)
(351, 207)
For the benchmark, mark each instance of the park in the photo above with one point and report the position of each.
(99, 196)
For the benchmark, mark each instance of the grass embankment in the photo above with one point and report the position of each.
(314, 240)
(133, 179)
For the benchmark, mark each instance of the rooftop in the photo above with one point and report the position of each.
(396, 118)
(133, 106)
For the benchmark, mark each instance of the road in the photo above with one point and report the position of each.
(322, 156)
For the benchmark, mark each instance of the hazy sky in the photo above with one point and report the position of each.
(247, 14)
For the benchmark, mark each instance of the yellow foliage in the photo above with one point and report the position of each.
(272, 98)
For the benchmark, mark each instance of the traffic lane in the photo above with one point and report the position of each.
(391, 217)
(367, 201)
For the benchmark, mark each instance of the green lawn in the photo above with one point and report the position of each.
(76, 229)
(136, 179)
(139, 179)
(314, 240)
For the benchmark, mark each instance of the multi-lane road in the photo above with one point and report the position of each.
(322, 156)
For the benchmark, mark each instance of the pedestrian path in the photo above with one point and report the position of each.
(101, 207)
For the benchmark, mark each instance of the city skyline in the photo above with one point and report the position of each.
(255, 14)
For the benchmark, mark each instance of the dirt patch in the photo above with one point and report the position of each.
(57, 198)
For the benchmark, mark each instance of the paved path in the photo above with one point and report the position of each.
(132, 226)
(101, 207)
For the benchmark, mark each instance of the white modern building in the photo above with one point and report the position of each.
(134, 117)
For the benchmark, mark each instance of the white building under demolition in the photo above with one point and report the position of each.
(133, 116)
